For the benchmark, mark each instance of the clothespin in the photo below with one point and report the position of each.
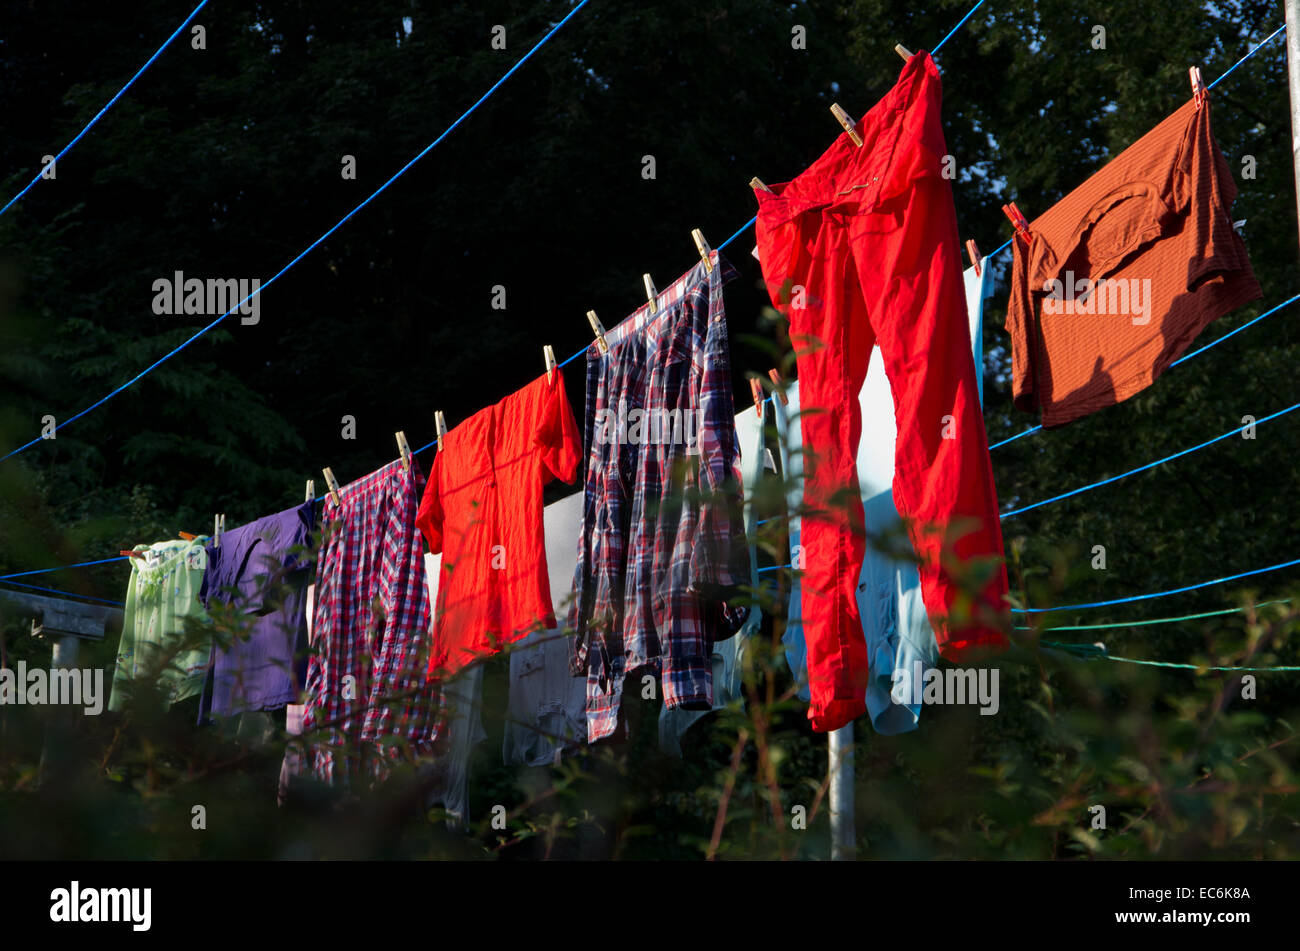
(974, 253)
(311, 491)
(1199, 92)
(756, 390)
(131, 554)
(775, 376)
(598, 330)
(218, 526)
(756, 183)
(440, 424)
(845, 121)
(403, 449)
(903, 51)
(187, 536)
(703, 247)
(1018, 220)
(548, 355)
(650, 292)
(332, 485)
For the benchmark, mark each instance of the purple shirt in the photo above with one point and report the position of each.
(260, 571)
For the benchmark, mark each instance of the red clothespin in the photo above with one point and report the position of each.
(1018, 221)
(756, 390)
(131, 554)
(779, 386)
(974, 253)
(1199, 91)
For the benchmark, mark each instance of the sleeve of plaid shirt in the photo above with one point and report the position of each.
(719, 560)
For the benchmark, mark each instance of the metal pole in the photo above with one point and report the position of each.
(1293, 81)
(843, 834)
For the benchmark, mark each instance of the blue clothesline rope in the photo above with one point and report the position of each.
(1149, 465)
(1158, 594)
(70, 594)
(425, 151)
(109, 105)
(80, 564)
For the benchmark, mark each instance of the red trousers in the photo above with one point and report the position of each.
(862, 249)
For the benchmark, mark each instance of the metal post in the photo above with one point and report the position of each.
(1293, 81)
(843, 834)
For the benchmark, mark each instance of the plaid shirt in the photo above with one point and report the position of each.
(662, 541)
(370, 630)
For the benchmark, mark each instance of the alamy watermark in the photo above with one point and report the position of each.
(1124, 297)
(180, 295)
(955, 685)
(73, 686)
(650, 427)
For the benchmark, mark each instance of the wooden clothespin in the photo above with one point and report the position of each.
(332, 485)
(311, 491)
(440, 424)
(845, 121)
(703, 247)
(650, 292)
(403, 449)
(903, 51)
(1018, 220)
(598, 330)
(756, 390)
(1199, 91)
(756, 183)
(548, 356)
(218, 526)
(974, 253)
(775, 376)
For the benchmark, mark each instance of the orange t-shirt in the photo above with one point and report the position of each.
(1120, 276)
(482, 509)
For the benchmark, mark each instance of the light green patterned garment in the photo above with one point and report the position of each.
(162, 596)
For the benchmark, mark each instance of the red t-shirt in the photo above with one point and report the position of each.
(482, 509)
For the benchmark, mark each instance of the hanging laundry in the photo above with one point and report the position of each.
(547, 707)
(165, 640)
(260, 572)
(366, 684)
(1112, 283)
(861, 249)
(459, 729)
(482, 510)
(894, 622)
(729, 655)
(661, 546)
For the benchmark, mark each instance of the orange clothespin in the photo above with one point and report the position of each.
(847, 123)
(187, 536)
(1199, 91)
(1018, 221)
(756, 390)
(779, 384)
(131, 554)
(974, 253)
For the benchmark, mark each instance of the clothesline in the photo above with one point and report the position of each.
(723, 245)
(311, 247)
(109, 105)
